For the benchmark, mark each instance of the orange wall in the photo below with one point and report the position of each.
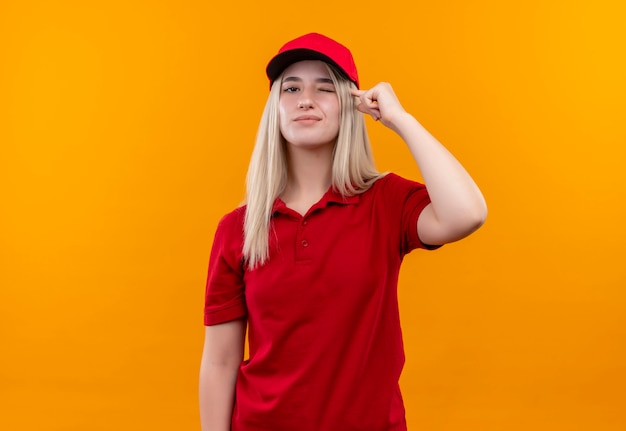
(125, 132)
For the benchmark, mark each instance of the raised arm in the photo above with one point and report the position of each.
(457, 206)
(221, 358)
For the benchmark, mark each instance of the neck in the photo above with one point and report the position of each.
(310, 175)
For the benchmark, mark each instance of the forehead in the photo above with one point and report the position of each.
(307, 67)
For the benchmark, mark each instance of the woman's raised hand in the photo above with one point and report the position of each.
(380, 102)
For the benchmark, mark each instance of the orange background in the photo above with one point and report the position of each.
(125, 132)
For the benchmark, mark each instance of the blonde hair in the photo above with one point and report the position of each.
(353, 169)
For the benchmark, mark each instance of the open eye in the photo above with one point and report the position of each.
(290, 89)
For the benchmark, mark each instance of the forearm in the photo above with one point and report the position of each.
(221, 358)
(456, 201)
(217, 394)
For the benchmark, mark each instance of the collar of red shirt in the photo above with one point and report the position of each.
(331, 196)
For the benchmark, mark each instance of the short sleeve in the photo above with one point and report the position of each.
(225, 289)
(407, 200)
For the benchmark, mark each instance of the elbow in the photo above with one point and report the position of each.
(452, 224)
(469, 213)
(468, 221)
(476, 216)
(480, 215)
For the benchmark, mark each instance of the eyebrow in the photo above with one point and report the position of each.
(318, 80)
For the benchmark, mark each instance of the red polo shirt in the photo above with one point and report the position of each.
(326, 347)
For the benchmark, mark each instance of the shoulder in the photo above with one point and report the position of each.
(228, 238)
(229, 229)
(233, 218)
(394, 183)
(399, 196)
(404, 200)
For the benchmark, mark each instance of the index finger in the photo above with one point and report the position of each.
(356, 92)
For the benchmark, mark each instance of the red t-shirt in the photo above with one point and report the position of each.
(325, 347)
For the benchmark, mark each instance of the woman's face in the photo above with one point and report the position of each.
(309, 113)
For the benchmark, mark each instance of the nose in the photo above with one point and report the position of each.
(304, 104)
(305, 101)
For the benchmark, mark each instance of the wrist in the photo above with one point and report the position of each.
(402, 123)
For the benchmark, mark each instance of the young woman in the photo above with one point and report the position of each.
(310, 264)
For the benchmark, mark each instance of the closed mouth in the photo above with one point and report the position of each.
(307, 117)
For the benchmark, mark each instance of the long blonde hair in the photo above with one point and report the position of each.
(353, 169)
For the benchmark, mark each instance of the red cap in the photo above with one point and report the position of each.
(313, 46)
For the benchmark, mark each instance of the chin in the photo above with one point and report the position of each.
(311, 144)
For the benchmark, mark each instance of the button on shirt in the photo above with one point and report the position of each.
(326, 348)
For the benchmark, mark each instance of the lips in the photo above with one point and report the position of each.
(307, 118)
